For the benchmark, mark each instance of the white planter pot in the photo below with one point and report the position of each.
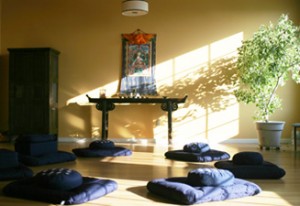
(269, 133)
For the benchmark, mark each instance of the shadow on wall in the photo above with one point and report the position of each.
(209, 87)
(75, 121)
(211, 107)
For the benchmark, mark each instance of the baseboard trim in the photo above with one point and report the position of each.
(117, 140)
(148, 140)
(251, 141)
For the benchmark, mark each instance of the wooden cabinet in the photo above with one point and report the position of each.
(33, 91)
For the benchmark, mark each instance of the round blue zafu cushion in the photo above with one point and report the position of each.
(248, 158)
(210, 177)
(196, 147)
(59, 179)
(102, 144)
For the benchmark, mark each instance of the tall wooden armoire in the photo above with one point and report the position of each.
(33, 91)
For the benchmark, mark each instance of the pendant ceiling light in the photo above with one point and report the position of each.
(134, 7)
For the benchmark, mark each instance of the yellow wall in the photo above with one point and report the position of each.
(194, 40)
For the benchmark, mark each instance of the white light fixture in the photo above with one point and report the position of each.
(134, 7)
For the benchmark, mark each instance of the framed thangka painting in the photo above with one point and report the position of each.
(138, 64)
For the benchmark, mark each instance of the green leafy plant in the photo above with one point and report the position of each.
(265, 62)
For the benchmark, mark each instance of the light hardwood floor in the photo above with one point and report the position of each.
(147, 162)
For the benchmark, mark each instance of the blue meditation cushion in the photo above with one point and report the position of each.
(36, 144)
(196, 147)
(250, 165)
(51, 158)
(178, 190)
(113, 152)
(13, 173)
(102, 144)
(37, 138)
(90, 189)
(267, 170)
(59, 179)
(8, 159)
(248, 158)
(36, 148)
(210, 177)
(211, 155)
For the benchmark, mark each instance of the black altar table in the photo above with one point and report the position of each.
(108, 104)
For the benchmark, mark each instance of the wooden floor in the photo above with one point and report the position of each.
(147, 162)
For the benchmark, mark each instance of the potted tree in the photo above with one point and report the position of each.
(264, 63)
